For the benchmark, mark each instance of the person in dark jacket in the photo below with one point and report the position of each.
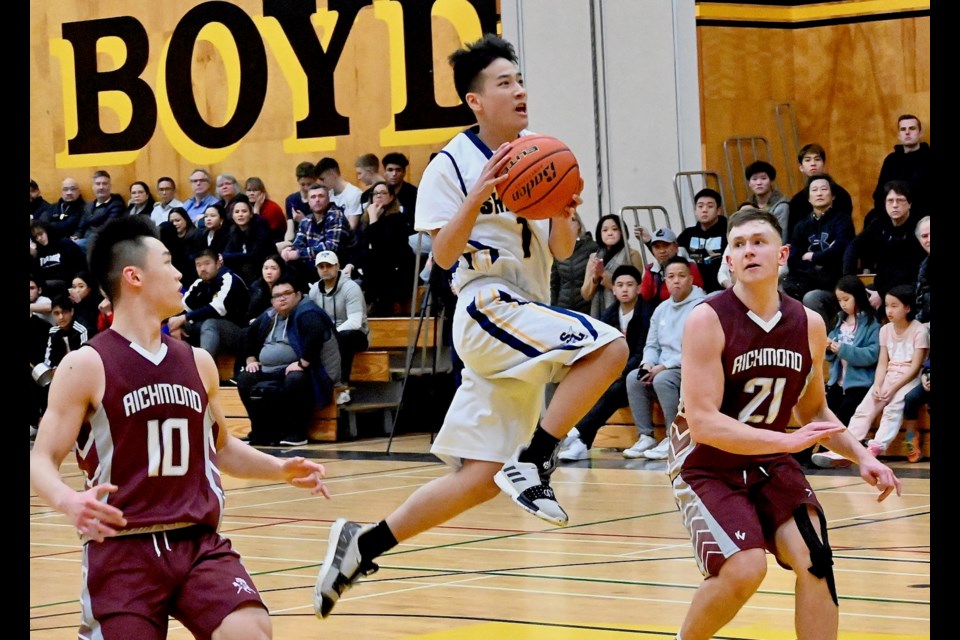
(248, 240)
(216, 307)
(292, 362)
(910, 161)
(816, 250)
(63, 216)
(105, 206)
(706, 240)
(55, 259)
(566, 276)
(812, 160)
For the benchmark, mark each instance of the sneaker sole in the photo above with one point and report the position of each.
(318, 597)
(830, 463)
(506, 485)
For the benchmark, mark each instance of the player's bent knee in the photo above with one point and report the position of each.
(821, 555)
(246, 622)
(743, 572)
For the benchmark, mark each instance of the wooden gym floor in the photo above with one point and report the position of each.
(623, 568)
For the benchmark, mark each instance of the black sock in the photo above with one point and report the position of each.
(541, 448)
(376, 542)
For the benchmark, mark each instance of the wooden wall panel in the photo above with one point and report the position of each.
(847, 84)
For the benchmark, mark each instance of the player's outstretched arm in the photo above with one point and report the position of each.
(701, 370)
(76, 389)
(812, 409)
(449, 240)
(240, 460)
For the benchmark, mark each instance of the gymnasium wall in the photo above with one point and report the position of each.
(847, 70)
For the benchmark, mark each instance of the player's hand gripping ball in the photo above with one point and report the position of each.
(543, 177)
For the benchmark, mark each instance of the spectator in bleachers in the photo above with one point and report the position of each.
(325, 229)
(201, 197)
(40, 304)
(270, 271)
(167, 200)
(228, 189)
(66, 336)
(853, 349)
(141, 200)
(705, 241)
(813, 162)
(816, 250)
(63, 216)
(761, 178)
(623, 314)
(248, 241)
(566, 276)
(653, 288)
(37, 203)
(658, 375)
(923, 273)
(368, 174)
(86, 297)
(213, 234)
(105, 206)
(904, 344)
(388, 262)
(215, 307)
(613, 251)
(342, 299)
(36, 337)
(912, 403)
(56, 260)
(911, 162)
(291, 365)
(178, 236)
(395, 173)
(342, 193)
(296, 206)
(268, 210)
(887, 247)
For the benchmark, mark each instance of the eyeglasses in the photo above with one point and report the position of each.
(164, 188)
(282, 294)
(199, 179)
(70, 189)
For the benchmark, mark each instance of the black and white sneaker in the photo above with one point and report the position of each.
(293, 441)
(342, 566)
(529, 487)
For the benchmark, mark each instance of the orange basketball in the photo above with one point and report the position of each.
(543, 177)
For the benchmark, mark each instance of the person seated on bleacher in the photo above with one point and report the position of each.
(812, 160)
(215, 307)
(566, 276)
(388, 262)
(653, 289)
(342, 299)
(613, 250)
(761, 178)
(658, 375)
(271, 269)
(86, 296)
(326, 229)
(705, 241)
(292, 364)
(248, 240)
(56, 260)
(177, 235)
(624, 315)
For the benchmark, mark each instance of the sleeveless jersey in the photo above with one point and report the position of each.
(502, 246)
(153, 436)
(766, 367)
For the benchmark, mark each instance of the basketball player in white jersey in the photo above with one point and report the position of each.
(511, 342)
(140, 410)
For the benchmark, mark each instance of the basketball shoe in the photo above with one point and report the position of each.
(342, 566)
(529, 486)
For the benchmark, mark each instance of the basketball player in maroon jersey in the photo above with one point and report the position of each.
(750, 358)
(141, 411)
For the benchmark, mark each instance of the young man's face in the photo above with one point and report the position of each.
(161, 280)
(327, 271)
(756, 252)
(501, 98)
(663, 251)
(626, 289)
(366, 175)
(707, 211)
(760, 183)
(34, 292)
(329, 178)
(63, 317)
(305, 183)
(207, 268)
(284, 299)
(679, 281)
(811, 164)
(908, 133)
(394, 174)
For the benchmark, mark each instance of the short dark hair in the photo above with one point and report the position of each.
(326, 164)
(812, 148)
(287, 276)
(119, 243)
(34, 185)
(207, 252)
(821, 176)
(166, 179)
(627, 270)
(101, 173)
(468, 63)
(318, 185)
(708, 193)
(63, 301)
(906, 294)
(760, 166)
(900, 187)
(750, 214)
(677, 259)
(909, 116)
(397, 158)
(306, 170)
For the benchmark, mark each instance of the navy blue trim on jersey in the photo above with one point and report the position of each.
(500, 334)
(506, 297)
(480, 144)
(463, 185)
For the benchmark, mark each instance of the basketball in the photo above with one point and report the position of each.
(543, 177)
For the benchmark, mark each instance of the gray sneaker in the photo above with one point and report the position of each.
(529, 487)
(342, 566)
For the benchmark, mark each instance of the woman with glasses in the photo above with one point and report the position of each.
(388, 262)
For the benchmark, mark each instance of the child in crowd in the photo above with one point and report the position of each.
(853, 349)
(904, 343)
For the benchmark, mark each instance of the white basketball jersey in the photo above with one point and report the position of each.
(502, 245)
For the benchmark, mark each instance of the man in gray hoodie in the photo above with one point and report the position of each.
(342, 299)
(659, 371)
